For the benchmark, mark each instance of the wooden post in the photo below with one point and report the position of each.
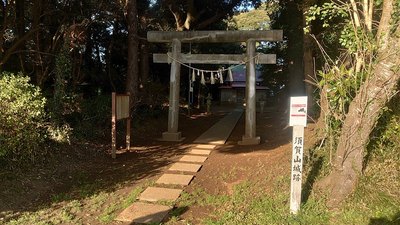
(120, 107)
(249, 137)
(128, 126)
(173, 115)
(297, 167)
(113, 125)
(297, 119)
(174, 89)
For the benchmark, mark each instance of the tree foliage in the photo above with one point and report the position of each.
(198, 15)
(255, 19)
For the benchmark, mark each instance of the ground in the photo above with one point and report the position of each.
(83, 185)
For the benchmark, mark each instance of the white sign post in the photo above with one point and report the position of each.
(298, 119)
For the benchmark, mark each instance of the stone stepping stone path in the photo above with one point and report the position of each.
(140, 212)
(177, 179)
(185, 167)
(200, 152)
(193, 158)
(155, 202)
(219, 133)
(209, 147)
(154, 194)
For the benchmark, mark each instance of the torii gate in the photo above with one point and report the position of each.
(250, 37)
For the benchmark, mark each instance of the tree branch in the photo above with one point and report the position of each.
(11, 50)
(355, 13)
(190, 14)
(178, 14)
(384, 24)
(210, 20)
(370, 13)
(367, 10)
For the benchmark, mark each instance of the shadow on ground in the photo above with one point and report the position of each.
(85, 169)
(386, 221)
(272, 128)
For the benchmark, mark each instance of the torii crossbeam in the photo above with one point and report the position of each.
(176, 58)
(214, 58)
(215, 36)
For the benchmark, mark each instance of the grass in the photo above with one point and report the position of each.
(117, 204)
(369, 206)
(67, 209)
(375, 202)
(376, 199)
(200, 197)
(250, 205)
(66, 214)
(247, 205)
(226, 176)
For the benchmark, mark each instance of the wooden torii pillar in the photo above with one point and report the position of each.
(176, 38)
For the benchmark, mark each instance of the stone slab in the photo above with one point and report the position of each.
(219, 133)
(185, 167)
(153, 194)
(140, 212)
(200, 152)
(178, 179)
(193, 158)
(209, 147)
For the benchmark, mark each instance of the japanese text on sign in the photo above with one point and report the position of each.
(296, 168)
(297, 158)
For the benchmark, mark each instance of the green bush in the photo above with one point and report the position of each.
(22, 118)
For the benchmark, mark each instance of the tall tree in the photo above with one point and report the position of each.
(294, 33)
(372, 65)
(20, 17)
(132, 74)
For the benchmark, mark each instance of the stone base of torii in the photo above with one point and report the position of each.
(250, 37)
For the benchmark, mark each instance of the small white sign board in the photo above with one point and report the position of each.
(298, 119)
(298, 111)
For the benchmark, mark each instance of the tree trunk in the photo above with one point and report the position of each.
(132, 79)
(110, 49)
(144, 51)
(4, 10)
(20, 17)
(37, 12)
(144, 62)
(295, 48)
(364, 112)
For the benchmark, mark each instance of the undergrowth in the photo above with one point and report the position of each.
(70, 209)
